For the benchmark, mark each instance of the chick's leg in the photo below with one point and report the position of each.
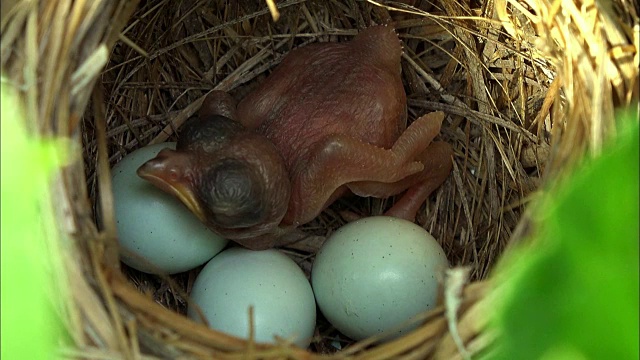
(341, 162)
(337, 161)
(437, 167)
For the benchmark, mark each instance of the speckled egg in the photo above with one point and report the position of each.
(156, 232)
(373, 275)
(238, 278)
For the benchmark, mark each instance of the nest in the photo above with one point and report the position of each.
(529, 87)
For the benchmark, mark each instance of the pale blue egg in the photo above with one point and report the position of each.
(375, 274)
(281, 296)
(156, 232)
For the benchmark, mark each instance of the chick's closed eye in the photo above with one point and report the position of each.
(232, 193)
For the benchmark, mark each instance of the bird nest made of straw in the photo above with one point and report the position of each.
(528, 86)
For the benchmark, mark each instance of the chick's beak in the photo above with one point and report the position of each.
(161, 172)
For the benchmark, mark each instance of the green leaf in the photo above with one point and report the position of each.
(573, 293)
(30, 329)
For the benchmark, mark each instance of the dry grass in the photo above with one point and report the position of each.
(529, 86)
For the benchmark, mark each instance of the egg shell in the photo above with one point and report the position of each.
(373, 275)
(268, 280)
(156, 232)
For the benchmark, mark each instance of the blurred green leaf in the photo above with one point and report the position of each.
(573, 293)
(30, 329)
